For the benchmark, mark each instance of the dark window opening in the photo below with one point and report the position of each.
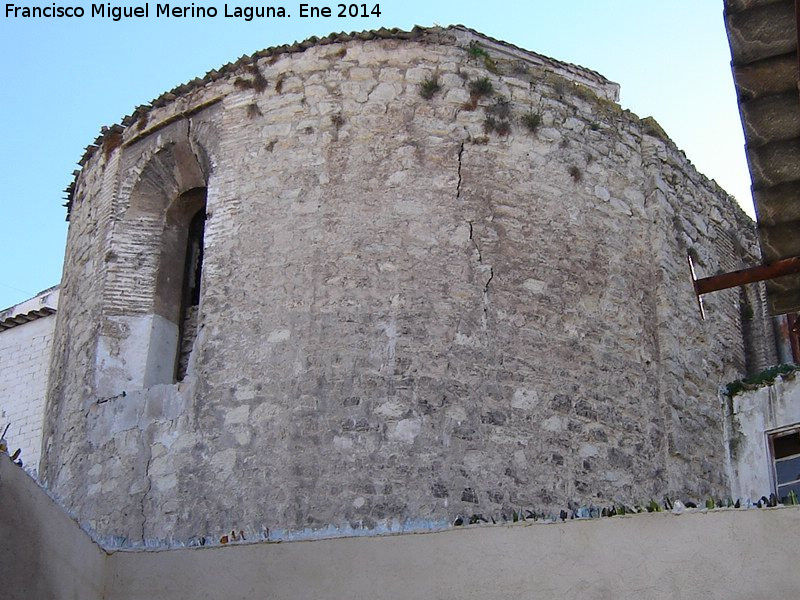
(794, 336)
(190, 291)
(786, 461)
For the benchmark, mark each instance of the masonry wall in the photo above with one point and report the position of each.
(405, 316)
(24, 363)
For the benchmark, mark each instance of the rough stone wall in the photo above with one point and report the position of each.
(695, 356)
(24, 361)
(65, 446)
(404, 317)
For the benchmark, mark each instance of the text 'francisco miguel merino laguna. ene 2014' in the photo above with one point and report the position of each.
(248, 13)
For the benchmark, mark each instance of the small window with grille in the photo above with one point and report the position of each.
(786, 461)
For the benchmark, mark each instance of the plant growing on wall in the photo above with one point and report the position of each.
(766, 377)
(476, 52)
(480, 87)
(256, 82)
(111, 141)
(531, 120)
(498, 117)
(429, 87)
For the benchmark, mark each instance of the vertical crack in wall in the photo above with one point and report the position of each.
(147, 489)
(191, 142)
(485, 316)
(474, 243)
(458, 185)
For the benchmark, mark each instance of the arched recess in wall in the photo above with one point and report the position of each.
(155, 279)
(180, 273)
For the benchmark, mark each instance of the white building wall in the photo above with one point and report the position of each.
(750, 417)
(24, 362)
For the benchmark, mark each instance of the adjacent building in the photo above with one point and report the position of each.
(26, 341)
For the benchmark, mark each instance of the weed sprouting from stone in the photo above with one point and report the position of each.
(767, 377)
(475, 51)
(429, 87)
(481, 87)
(500, 109)
(531, 120)
(498, 126)
(503, 128)
(259, 81)
(490, 65)
(141, 122)
(111, 142)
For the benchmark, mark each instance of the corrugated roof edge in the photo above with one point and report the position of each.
(418, 33)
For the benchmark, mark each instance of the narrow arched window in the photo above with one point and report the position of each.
(152, 305)
(177, 299)
(190, 293)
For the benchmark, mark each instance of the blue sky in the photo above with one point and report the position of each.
(65, 78)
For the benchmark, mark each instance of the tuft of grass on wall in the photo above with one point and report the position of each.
(141, 122)
(531, 120)
(259, 81)
(240, 83)
(491, 65)
(498, 126)
(256, 82)
(500, 109)
(111, 141)
(476, 51)
(429, 87)
(480, 88)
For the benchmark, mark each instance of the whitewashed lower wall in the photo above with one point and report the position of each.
(24, 360)
(749, 417)
(725, 554)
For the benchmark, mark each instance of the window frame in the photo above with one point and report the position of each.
(773, 471)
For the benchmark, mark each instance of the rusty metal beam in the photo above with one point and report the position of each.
(724, 281)
(787, 266)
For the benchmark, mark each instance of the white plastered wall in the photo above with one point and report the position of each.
(24, 364)
(144, 357)
(755, 414)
